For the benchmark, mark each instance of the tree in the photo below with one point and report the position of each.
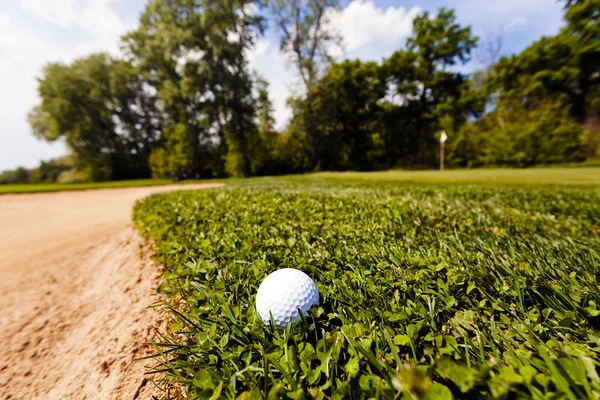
(99, 107)
(232, 27)
(174, 154)
(136, 117)
(49, 171)
(18, 176)
(543, 135)
(263, 147)
(489, 51)
(169, 47)
(566, 65)
(345, 103)
(73, 106)
(424, 90)
(309, 40)
(488, 54)
(192, 52)
(306, 34)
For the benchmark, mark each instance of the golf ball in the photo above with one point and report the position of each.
(282, 293)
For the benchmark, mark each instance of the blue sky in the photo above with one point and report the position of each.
(34, 32)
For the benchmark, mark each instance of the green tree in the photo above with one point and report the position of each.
(238, 29)
(17, 176)
(545, 134)
(174, 153)
(73, 107)
(345, 103)
(135, 116)
(95, 105)
(263, 147)
(192, 52)
(566, 65)
(310, 41)
(424, 90)
(306, 35)
(49, 171)
(169, 47)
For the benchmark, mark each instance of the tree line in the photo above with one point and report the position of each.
(183, 98)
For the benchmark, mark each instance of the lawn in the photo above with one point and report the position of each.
(533, 176)
(427, 291)
(57, 187)
(497, 176)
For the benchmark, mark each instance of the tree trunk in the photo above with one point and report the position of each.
(578, 107)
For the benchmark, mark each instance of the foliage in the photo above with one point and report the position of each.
(346, 103)
(49, 171)
(426, 89)
(175, 153)
(306, 35)
(184, 82)
(294, 151)
(565, 65)
(311, 41)
(193, 54)
(361, 115)
(70, 176)
(19, 175)
(514, 136)
(99, 107)
(263, 147)
(426, 291)
(183, 96)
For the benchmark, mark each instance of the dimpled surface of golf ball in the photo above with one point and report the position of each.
(282, 293)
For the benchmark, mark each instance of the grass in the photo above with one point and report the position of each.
(427, 291)
(534, 176)
(56, 187)
(496, 176)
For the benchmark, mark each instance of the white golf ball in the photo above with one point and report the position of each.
(282, 293)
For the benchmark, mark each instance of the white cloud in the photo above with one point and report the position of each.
(363, 24)
(488, 16)
(516, 23)
(58, 12)
(48, 31)
(96, 18)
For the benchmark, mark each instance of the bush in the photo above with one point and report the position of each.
(70, 176)
(19, 175)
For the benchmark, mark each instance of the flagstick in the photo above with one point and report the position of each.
(443, 138)
(442, 156)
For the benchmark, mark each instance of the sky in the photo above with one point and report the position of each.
(35, 32)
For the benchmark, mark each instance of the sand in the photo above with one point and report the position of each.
(76, 283)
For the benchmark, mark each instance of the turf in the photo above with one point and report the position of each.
(490, 177)
(58, 187)
(427, 291)
(535, 176)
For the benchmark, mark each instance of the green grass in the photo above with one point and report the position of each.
(427, 291)
(534, 176)
(497, 176)
(56, 187)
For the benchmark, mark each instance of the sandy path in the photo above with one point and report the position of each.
(75, 285)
